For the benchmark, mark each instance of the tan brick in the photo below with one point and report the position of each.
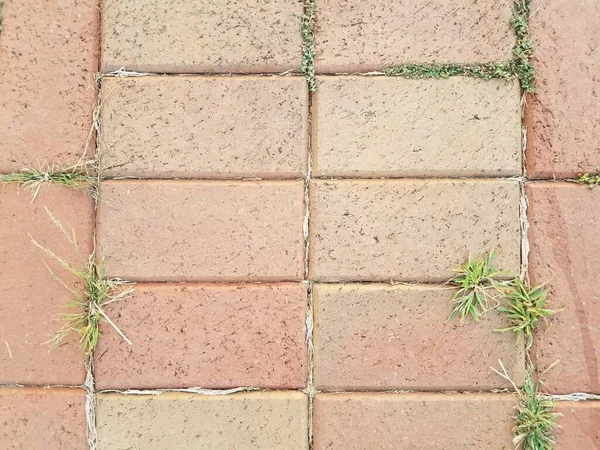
(399, 339)
(183, 37)
(374, 35)
(423, 421)
(48, 57)
(256, 420)
(563, 116)
(410, 230)
(381, 127)
(564, 234)
(198, 127)
(214, 336)
(31, 300)
(202, 230)
(42, 419)
(579, 425)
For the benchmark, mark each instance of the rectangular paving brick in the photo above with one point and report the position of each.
(374, 35)
(382, 127)
(214, 336)
(579, 425)
(48, 57)
(200, 127)
(370, 337)
(564, 234)
(563, 116)
(220, 37)
(202, 230)
(255, 420)
(419, 421)
(42, 419)
(31, 300)
(410, 230)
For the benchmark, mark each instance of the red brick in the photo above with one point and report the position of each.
(563, 119)
(205, 127)
(382, 127)
(374, 35)
(564, 234)
(42, 419)
(48, 57)
(244, 421)
(410, 230)
(239, 36)
(423, 421)
(386, 337)
(31, 300)
(579, 425)
(214, 336)
(202, 230)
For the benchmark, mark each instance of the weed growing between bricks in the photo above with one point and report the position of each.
(524, 306)
(592, 180)
(308, 44)
(519, 67)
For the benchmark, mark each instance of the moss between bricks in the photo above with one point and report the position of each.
(308, 43)
(591, 179)
(519, 67)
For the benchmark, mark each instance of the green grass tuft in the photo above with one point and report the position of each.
(535, 420)
(475, 280)
(591, 179)
(525, 307)
(99, 291)
(75, 177)
(519, 67)
(308, 44)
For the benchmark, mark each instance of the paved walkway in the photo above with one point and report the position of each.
(289, 248)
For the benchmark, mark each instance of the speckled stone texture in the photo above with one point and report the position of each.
(31, 300)
(178, 36)
(390, 127)
(48, 57)
(382, 337)
(413, 421)
(410, 230)
(202, 230)
(214, 336)
(364, 36)
(248, 421)
(563, 117)
(579, 425)
(42, 419)
(200, 127)
(564, 233)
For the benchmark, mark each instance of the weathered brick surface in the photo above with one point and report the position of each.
(256, 420)
(42, 419)
(202, 230)
(563, 117)
(423, 421)
(48, 56)
(410, 230)
(31, 300)
(199, 127)
(381, 127)
(564, 224)
(371, 337)
(579, 425)
(214, 336)
(220, 37)
(365, 36)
